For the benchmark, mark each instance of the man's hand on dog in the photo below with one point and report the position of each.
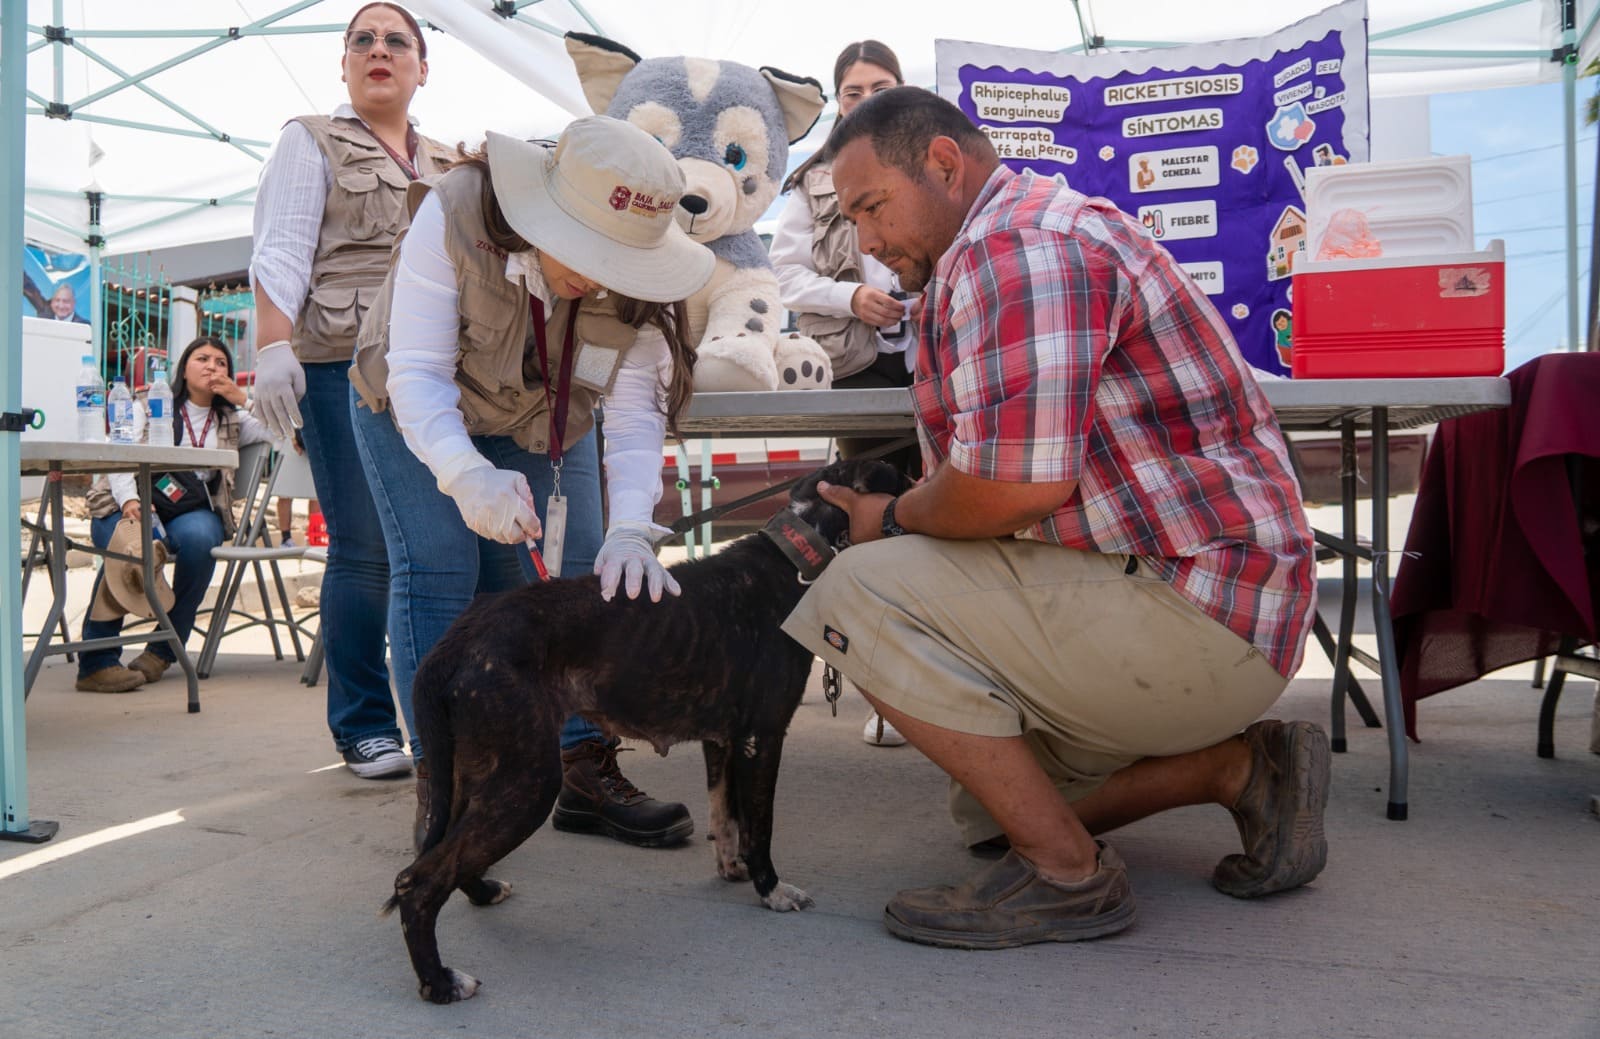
(866, 510)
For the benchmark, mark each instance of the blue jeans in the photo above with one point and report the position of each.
(190, 538)
(437, 564)
(355, 586)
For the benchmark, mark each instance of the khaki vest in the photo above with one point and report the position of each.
(101, 502)
(850, 343)
(497, 360)
(364, 211)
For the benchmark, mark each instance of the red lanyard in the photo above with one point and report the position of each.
(563, 388)
(407, 167)
(204, 432)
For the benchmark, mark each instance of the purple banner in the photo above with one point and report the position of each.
(1205, 144)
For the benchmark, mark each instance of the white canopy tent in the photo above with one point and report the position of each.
(146, 123)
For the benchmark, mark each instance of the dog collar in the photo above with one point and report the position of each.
(800, 541)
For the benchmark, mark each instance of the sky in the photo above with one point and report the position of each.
(1518, 189)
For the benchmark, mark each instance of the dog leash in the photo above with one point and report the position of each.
(687, 523)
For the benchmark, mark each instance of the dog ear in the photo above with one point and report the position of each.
(601, 65)
(800, 98)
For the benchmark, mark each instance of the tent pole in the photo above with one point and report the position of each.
(1569, 94)
(14, 824)
(1593, 338)
(97, 316)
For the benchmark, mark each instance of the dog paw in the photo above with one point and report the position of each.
(456, 986)
(786, 898)
(487, 892)
(732, 869)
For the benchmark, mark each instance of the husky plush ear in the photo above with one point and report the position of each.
(601, 64)
(800, 97)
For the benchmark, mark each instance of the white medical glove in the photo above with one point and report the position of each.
(629, 550)
(495, 503)
(280, 383)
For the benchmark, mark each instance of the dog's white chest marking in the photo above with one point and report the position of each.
(749, 746)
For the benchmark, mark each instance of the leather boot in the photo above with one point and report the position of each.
(419, 828)
(597, 798)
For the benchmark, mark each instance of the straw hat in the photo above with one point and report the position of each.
(602, 203)
(122, 585)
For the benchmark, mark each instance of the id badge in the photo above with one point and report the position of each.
(555, 533)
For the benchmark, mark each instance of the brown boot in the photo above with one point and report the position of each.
(597, 798)
(113, 679)
(150, 665)
(1279, 812)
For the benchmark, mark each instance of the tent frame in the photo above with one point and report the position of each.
(15, 823)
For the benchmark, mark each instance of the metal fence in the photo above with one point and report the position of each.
(144, 314)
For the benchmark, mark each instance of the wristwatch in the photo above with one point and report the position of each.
(891, 529)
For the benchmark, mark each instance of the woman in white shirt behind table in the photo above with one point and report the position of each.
(844, 299)
(195, 509)
(518, 300)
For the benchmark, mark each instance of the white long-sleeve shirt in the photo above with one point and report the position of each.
(125, 486)
(805, 291)
(287, 222)
(424, 328)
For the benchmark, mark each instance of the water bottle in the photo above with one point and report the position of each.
(159, 431)
(119, 409)
(91, 402)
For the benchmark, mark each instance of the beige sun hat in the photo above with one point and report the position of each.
(601, 202)
(122, 586)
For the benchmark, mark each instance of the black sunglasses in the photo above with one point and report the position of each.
(359, 41)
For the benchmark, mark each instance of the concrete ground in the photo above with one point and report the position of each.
(236, 888)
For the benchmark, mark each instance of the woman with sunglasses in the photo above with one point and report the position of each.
(330, 204)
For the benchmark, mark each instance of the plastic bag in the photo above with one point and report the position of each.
(1348, 237)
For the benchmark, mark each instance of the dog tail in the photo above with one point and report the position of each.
(430, 702)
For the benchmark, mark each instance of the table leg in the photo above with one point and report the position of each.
(1347, 579)
(148, 566)
(58, 580)
(1382, 620)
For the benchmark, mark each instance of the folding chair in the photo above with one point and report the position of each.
(293, 480)
(250, 549)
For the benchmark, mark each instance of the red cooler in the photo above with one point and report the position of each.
(1406, 316)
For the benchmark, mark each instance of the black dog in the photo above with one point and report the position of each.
(710, 665)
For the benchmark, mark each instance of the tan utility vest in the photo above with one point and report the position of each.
(497, 359)
(365, 210)
(101, 502)
(850, 343)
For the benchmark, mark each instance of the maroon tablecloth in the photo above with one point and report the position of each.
(1495, 571)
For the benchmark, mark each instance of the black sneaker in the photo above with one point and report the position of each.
(376, 757)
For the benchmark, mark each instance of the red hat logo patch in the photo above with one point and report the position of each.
(620, 197)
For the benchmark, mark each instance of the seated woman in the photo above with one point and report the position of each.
(205, 404)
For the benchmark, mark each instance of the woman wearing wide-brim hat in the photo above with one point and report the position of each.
(534, 279)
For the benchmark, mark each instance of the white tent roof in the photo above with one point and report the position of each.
(490, 72)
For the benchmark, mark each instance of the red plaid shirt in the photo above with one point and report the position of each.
(1058, 343)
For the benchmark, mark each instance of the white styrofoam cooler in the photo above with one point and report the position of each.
(1416, 207)
(52, 352)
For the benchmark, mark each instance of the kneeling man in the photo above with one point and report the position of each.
(1108, 572)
